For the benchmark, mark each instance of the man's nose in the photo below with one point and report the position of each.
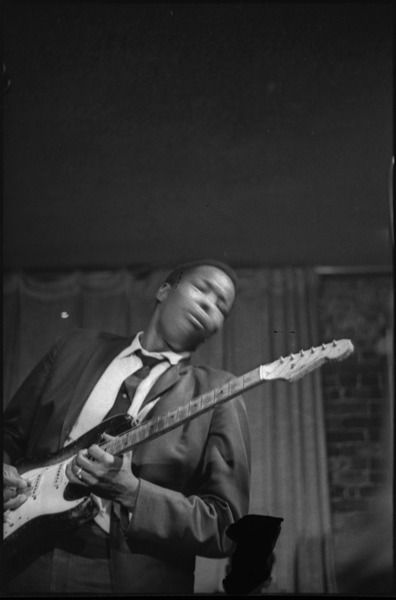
(208, 302)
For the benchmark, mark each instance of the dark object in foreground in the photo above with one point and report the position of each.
(253, 558)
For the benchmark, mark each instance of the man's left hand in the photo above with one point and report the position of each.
(105, 475)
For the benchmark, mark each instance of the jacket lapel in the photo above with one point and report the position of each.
(166, 381)
(101, 357)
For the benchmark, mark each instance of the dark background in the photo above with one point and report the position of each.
(147, 134)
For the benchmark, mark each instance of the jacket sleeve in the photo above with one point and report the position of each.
(196, 524)
(20, 411)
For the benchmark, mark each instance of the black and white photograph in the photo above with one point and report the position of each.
(198, 348)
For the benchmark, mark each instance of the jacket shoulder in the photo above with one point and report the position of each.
(79, 335)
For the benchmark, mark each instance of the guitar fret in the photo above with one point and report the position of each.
(194, 405)
(219, 394)
(235, 385)
(117, 445)
(172, 416)
(158, 423)
(145, 430)
(207, 399)
(138, 435)
(250, 378)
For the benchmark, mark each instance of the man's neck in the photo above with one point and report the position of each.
(154, 343)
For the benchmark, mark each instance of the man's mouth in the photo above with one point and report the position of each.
(197, 322)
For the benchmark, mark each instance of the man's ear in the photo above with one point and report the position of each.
(163, 292)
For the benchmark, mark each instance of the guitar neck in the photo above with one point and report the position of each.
(200, 404)
(291, 368)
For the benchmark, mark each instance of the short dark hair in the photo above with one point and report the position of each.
(177, 273)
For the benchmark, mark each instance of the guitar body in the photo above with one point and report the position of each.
(55, 506)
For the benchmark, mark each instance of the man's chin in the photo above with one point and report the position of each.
(187, 345)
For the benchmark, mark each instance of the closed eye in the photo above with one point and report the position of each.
(223, 309)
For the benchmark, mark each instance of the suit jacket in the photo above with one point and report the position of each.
(194, 480)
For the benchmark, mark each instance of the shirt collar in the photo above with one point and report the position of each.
(172, 357)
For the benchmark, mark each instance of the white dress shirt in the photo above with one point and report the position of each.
(104, 393)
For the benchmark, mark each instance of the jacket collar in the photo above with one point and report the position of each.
(167, 380)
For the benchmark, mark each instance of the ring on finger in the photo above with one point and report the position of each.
(78, 473)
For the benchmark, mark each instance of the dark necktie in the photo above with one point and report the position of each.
(129, 386)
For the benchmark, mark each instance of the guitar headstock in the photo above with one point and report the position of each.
(295, 366)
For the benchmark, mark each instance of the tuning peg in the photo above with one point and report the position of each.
(334, 343)
(323, 346)
(312, 350)
(301, 352)
(281, 360)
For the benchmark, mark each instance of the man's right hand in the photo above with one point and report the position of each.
(16, 490)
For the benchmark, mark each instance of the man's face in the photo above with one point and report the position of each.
(195, 308)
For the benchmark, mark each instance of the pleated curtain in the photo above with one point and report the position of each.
(275, 314)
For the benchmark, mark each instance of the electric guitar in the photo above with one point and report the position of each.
(55, 505)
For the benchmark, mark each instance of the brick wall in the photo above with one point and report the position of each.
(357, 396)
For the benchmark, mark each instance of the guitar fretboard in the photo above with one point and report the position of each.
(289, 368)
(159, 425)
